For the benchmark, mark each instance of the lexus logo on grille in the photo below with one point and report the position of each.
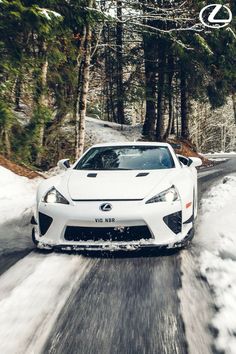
(106, 207)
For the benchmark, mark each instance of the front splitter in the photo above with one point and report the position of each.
(113, 247)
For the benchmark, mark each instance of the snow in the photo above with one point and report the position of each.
(216, 236)
(98, 131)
(17, 195)
(221, 153)
(32, 295)
(219, 159)
(48, 14)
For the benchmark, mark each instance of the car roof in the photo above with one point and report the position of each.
(132, 143)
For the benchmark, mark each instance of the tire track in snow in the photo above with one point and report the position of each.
(33, 293)
(127, 304)
(195, 304)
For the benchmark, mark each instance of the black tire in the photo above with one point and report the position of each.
(187, 243)
(36, 242)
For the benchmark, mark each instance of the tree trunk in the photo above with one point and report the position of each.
(184, 104)
(7, 142)
(42, 102)
(170, 97)
(173, 130)
(119, 60)
(150, 86)
(161, 91)
(80, 66)
(108, 73)
(234, 106)
(85, 72)
(18, 91)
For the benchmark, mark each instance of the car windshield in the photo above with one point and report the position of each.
(127, 158)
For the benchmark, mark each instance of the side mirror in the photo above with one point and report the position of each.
(64, 164)
(195, 161)
(183, 159)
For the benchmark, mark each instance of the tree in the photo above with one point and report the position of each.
(6, 123)
(83, 83)
(119, 61)
(148, 61)
(30, 28)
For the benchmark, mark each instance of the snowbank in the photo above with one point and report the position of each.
(217, 236)
(17, 196)
(222, 153)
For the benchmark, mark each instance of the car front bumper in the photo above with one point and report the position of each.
(125, 215)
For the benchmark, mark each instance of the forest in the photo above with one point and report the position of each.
(134, 62)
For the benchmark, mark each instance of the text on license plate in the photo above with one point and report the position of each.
(109, 220)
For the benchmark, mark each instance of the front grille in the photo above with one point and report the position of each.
(125, 234)
(174, 222)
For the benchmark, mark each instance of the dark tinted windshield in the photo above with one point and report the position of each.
(127, 158)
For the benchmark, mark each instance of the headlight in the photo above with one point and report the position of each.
(169, 195)
(53, 196)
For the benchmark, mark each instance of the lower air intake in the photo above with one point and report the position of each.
(44, 223)
(125, 234)
(174, 222)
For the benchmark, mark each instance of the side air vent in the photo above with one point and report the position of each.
(92, 175)
(142, 174)
(174, 222)
(44, 223)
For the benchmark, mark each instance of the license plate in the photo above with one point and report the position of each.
(105, 220)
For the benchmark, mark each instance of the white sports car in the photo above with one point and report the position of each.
(119, 196)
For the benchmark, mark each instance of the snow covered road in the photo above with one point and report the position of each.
(217, 239)
(32, 294)
(130, 303)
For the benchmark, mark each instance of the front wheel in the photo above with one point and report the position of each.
(40, 248)
(188, 241)
(36, 242)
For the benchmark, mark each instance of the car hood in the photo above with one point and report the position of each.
(118, 185)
